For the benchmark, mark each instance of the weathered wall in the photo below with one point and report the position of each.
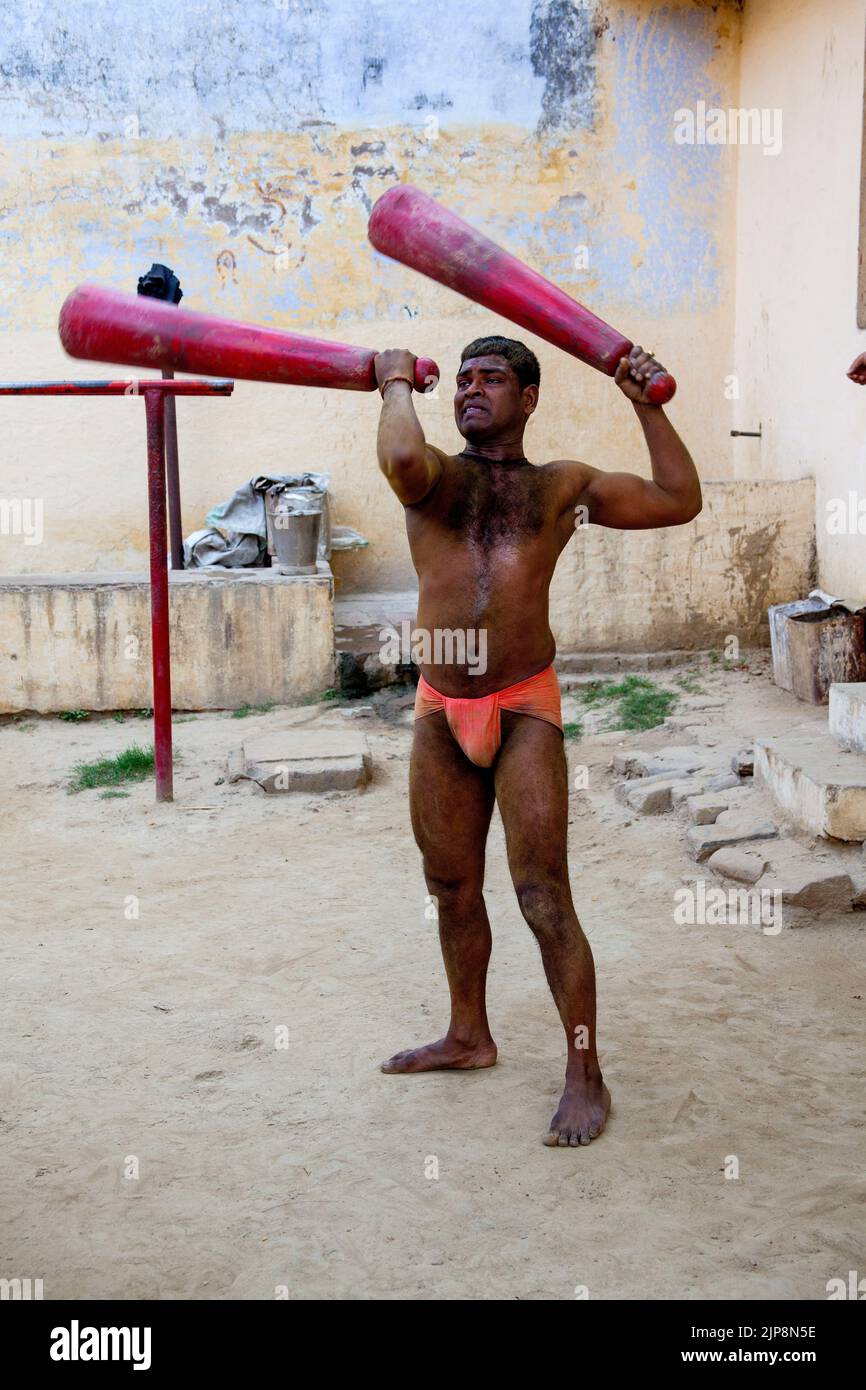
(244, 145)
(237, 638)
(797, 254)
(688, 587)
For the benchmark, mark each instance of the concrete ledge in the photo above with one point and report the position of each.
(821, 786)
(238, 637)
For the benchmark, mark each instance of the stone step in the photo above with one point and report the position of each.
(571, 663)
(818, 784)
(359, 664)
(375, 609)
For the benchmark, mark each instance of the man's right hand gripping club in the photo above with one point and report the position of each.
(411, 465)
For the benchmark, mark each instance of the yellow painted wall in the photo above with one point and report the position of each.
(269, 224)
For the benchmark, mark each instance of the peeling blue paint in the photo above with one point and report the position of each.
(661, 66)
(199, 68)
(204, 72)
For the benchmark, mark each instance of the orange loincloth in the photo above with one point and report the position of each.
(476, 723)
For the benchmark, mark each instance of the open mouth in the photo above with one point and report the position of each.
(477, 408)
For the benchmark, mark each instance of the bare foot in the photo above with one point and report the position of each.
(581, 1114)
(446, 1053)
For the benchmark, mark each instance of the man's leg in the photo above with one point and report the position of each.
(451, 802)
(531, 780)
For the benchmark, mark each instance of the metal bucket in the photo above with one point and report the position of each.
(294, 526)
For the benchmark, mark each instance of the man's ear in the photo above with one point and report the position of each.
(530, 398)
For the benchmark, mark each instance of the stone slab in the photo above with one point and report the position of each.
(722, 783)
(309, 760)
(650, 797)
(679, 787)
(706, 808)
(704, 840)
(742, 865)
(674, 761)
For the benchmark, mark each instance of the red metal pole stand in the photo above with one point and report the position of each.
(154, 407)
(155, 393)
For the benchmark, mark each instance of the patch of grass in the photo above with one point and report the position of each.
(118, 718)
(134, 764)
(645, 707)
(336, 696)
(642, 704)
(573, 730)
(714, 658)
(74, 716)
(593, 693)
(251, 709)
(106, 796)
(144, 714)
(690, 685)
(597, 691)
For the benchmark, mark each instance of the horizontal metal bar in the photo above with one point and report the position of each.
(130, 386)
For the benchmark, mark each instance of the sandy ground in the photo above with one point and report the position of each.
(151, 1042)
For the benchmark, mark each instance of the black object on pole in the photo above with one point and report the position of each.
(160, 282)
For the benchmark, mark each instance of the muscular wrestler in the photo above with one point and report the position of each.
(485, 529)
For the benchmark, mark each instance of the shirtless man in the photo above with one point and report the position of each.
(485, 529)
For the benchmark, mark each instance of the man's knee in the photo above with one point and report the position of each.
(545, 904)
(454, 892)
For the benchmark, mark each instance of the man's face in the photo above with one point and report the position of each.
(488, 401)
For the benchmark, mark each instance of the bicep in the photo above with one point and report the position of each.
(622, 500)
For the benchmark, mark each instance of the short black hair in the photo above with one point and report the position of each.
(519, 357)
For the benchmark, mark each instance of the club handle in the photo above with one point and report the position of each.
(426, 373)
(660, 388)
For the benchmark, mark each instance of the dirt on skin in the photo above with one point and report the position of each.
(198, 997)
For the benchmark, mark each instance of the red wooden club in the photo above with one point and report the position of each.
(410, 226)
(105, 325)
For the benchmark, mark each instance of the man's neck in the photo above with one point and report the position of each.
(495, 453)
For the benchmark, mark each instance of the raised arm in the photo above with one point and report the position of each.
(624, 500)
(411, 465)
